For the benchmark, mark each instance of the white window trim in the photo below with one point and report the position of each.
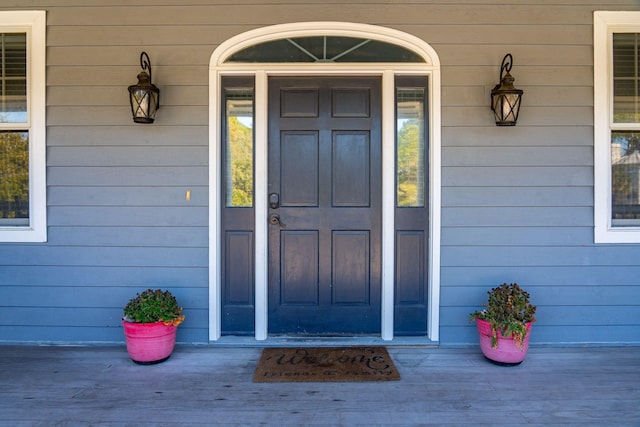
(430, 68)
(604, 25)
(34, 24)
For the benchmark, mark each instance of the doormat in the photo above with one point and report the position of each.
(325, 364)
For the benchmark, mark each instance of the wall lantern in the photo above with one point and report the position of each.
(144, 96)
(505, 99)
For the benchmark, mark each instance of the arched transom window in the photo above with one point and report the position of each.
(325, 49)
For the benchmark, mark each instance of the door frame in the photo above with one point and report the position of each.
(261, 73)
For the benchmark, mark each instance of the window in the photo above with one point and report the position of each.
(325, 49)
(410, 142)
(22, 127)
(238, 147)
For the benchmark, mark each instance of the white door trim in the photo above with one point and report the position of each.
(262, 71)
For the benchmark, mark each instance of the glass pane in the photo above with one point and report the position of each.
(625, 178)
(410, 140)
(13, 78)
(325, 49)
(14, 178)
(274, 51)
(239, 148)
(626, 78)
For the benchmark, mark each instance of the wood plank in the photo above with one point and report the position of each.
(547, 295)
(81, 317)
(573, 275)
(191, 237)
(414, 13)
(541, 256)
(465, 95)
(548, 176)
(121, 35)
(517, 156)
(517, 236)
(125, 134)
(97, 256)
(109, 296)
(114, 95)
(494, 136)
(518, 196)
(128, 196)
(533, 216)
(125, 216)
(183, 73)
(126, 175)
(571, 386)
(106, 116)
(55, 276)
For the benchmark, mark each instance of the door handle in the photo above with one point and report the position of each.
(274, 200)
(274, 219)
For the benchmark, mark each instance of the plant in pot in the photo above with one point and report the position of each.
(504, 326)
(150, 323)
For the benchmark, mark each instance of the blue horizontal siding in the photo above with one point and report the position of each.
(549, 295)
(529, 216)
(141, 216)
(540, 275)
(614, 256)
(81, 317)
(517, 196)
(103, 256)
(517, 236)
(82, 334)
(561, 316)
(80, 297)
(552, 335)
(98, 276)
(517, 203)
(516, 156)
(127, 176)
(501, 175)
(128, 196)
(194, 237)
(128, 156)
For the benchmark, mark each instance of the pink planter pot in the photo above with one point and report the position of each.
(508, 351)
(149, 343)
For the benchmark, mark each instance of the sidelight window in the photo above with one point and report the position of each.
(410, 142)
(238, 147)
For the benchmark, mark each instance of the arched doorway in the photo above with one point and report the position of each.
(314, 72)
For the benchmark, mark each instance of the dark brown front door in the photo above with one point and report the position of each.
(324, 205)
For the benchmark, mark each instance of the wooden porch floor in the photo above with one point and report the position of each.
(209, 385)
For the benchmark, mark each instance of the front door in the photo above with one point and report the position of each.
(324, 205)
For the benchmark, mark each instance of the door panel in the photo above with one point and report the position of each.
(351, 259)
(299, 268)
(351, 177)
(299, 168)
(325, 164)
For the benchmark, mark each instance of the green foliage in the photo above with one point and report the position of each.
(508, 310)
(241, 165)
(409, 156)
(14, 175)
(154, 306)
